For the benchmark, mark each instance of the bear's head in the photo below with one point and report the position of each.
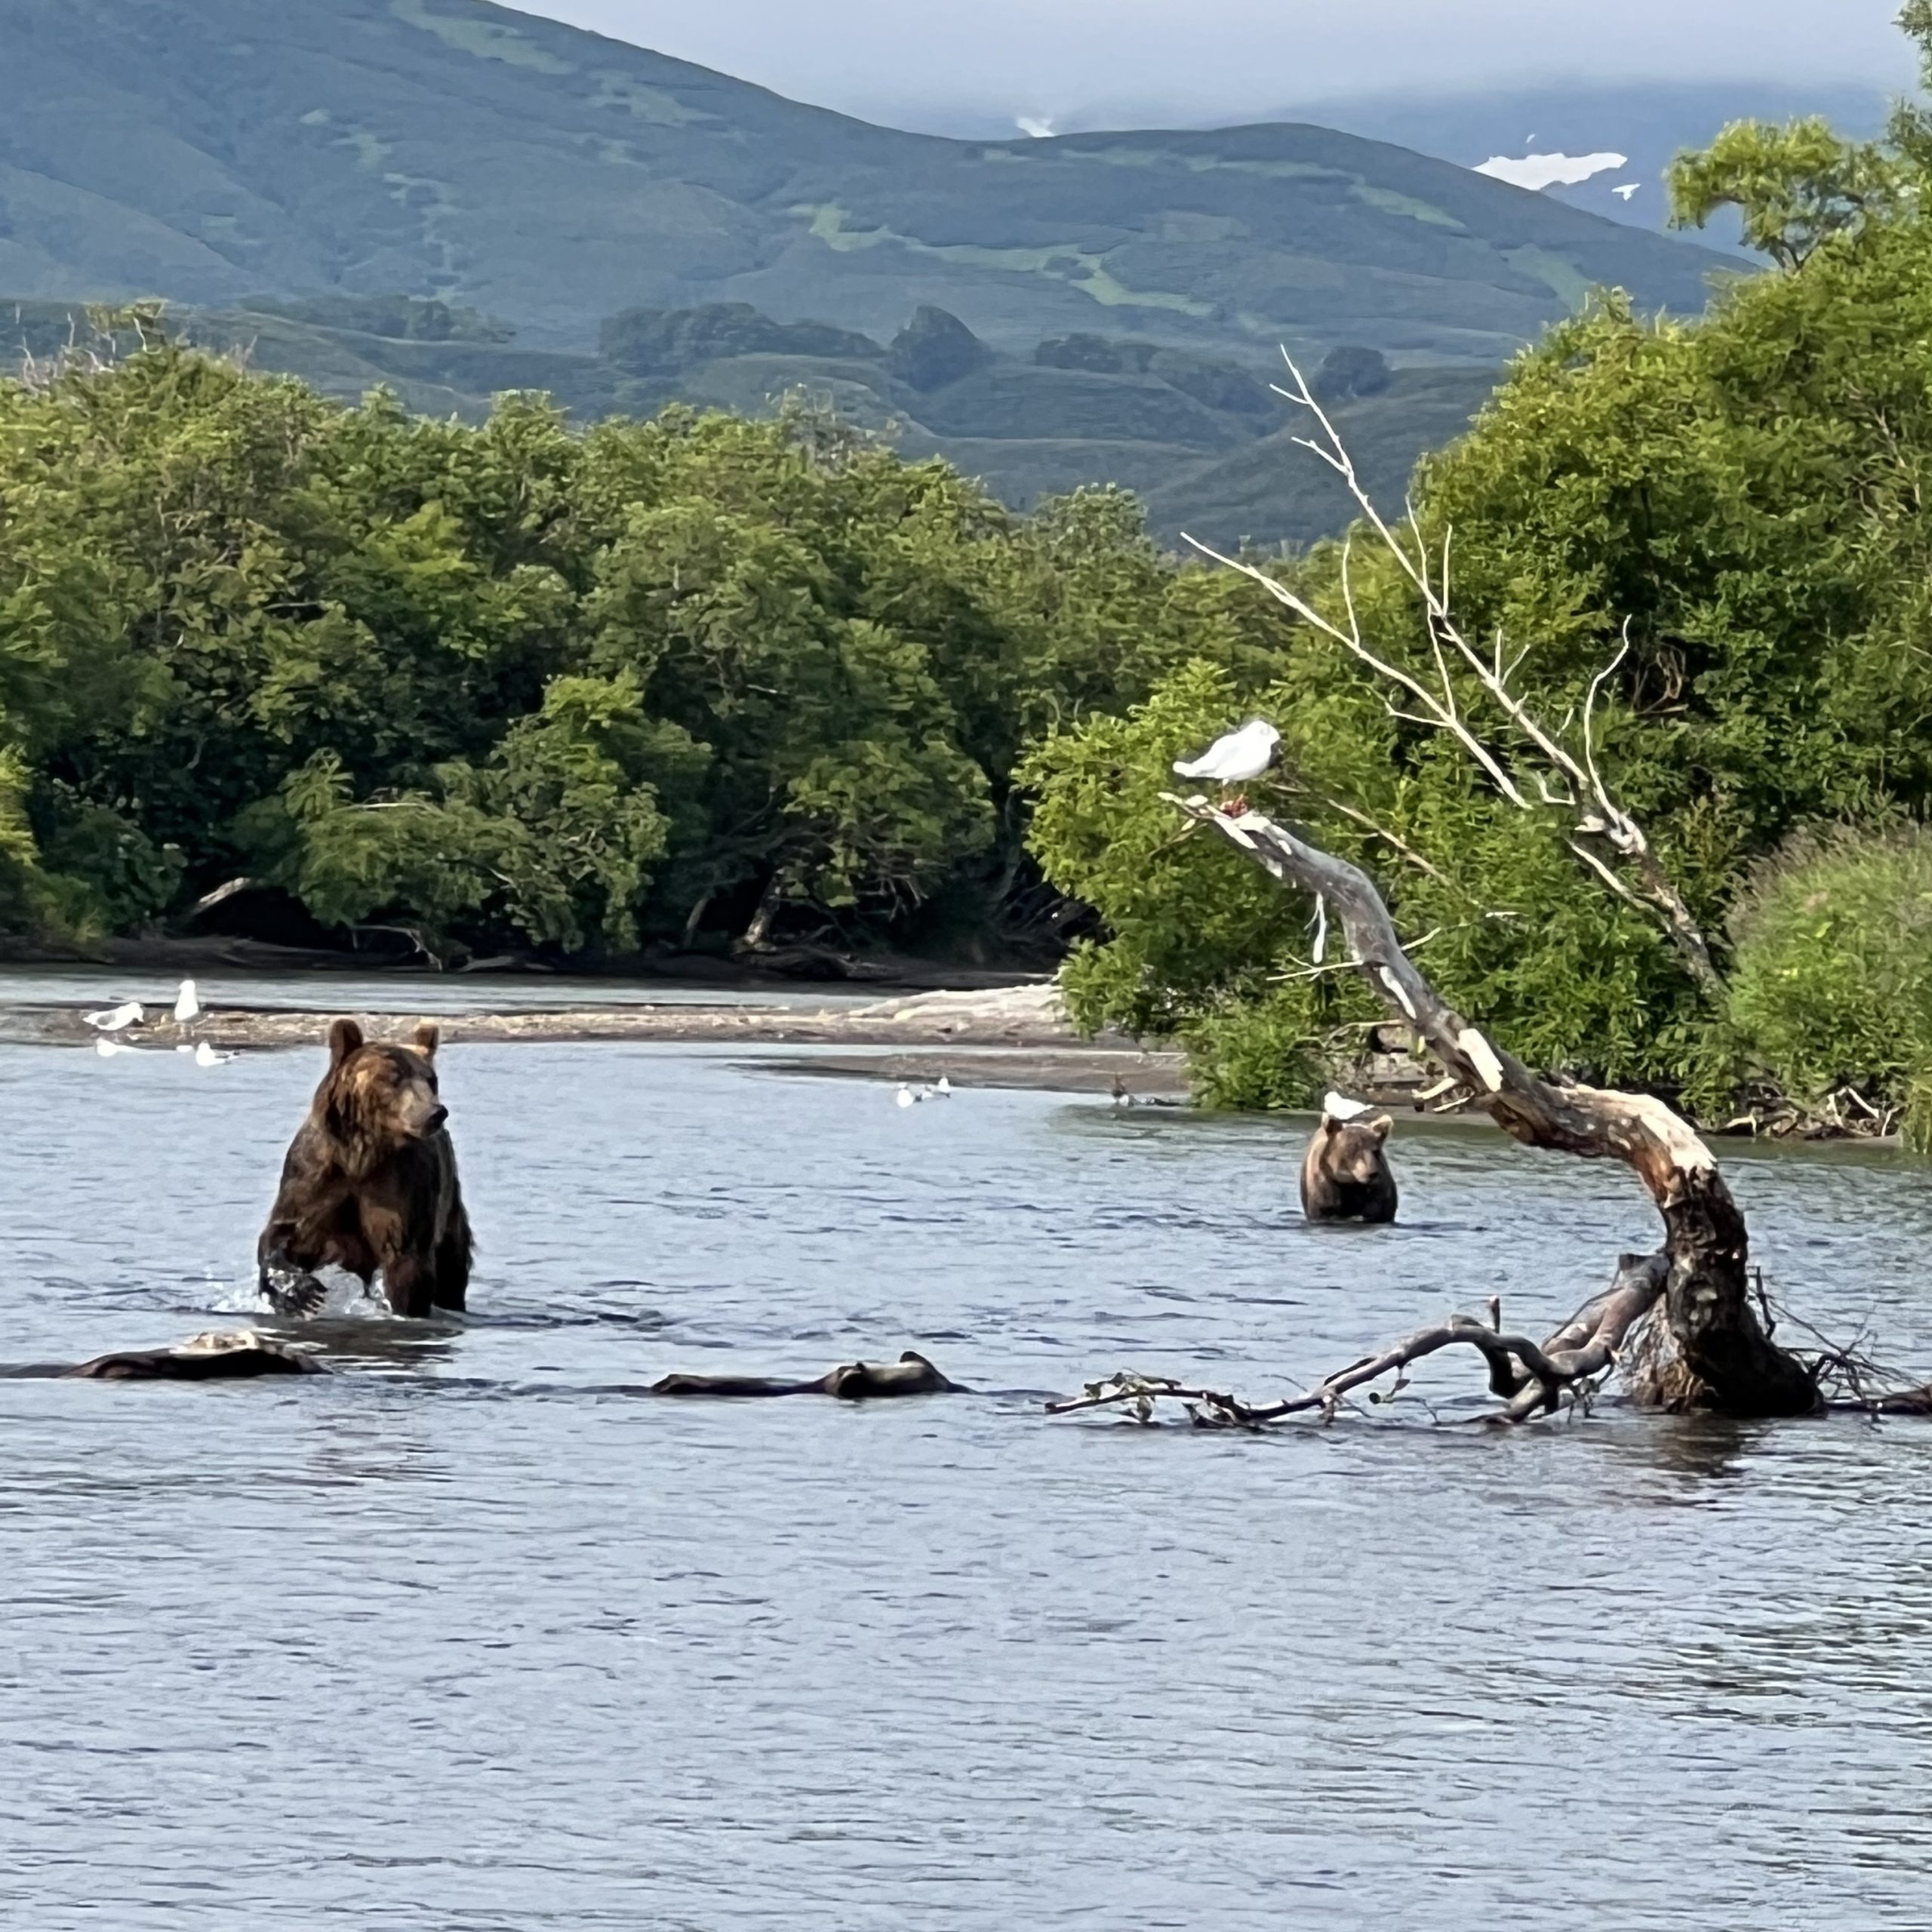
(1350, 1151)
(376, 1098)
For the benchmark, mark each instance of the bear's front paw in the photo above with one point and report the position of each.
(291, 1290)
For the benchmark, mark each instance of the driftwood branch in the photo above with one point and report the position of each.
(1718, 1356)
(1532, 1379)
(1601, 833)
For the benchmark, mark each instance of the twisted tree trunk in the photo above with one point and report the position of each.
(1714, 1352)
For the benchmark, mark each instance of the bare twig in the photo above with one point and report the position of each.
(1572, 785)
(1532, 1379)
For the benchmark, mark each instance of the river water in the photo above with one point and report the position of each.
(472, 1637)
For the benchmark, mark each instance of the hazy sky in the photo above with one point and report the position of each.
(931, 60)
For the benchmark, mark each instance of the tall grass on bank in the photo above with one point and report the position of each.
(1831, 986)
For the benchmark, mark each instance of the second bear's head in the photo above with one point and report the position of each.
(1351, 1151)
(377, 1096)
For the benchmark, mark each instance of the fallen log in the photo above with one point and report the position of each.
(912, 1374)
(1705, 1348)
(234, 1355)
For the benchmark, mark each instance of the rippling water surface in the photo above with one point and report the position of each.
(472, 1636)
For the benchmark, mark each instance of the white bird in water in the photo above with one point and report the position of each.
(186, 1006)
(107, 1048)
(905, 1096)
(114, 1019)
(944, 1089)
(1236, 758)
(206, 1056)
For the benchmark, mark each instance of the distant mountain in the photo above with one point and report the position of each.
(215, 150)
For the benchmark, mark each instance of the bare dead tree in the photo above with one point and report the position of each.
(1554, 776)
(1706, 1348)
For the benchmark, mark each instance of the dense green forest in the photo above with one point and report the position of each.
(1746, 493)
(696, 679)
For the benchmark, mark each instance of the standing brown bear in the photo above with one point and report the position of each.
(370, 1182)
(1344, 1175)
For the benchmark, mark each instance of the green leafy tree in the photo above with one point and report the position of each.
(1735, 506)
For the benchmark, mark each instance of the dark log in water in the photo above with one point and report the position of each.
(238, 1356)
(912, 1374)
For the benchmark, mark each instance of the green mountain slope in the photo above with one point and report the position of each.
(1203, 441)
(209, 150)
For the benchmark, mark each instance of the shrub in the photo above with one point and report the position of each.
(1832, 982)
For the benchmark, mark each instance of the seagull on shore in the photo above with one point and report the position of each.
(206, 1056)
(187, 1007)
(1234, 759)
(115, 1019)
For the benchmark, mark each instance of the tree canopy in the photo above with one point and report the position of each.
(1743, 496)
(518, 684)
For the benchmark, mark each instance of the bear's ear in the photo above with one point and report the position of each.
(429, 1037)
(1379, 1127)
(345, 1036)
(1330, 1124)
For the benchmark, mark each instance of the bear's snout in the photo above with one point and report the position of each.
(438, 1116)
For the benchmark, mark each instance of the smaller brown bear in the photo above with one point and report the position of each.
(1344, 1175)
(370, 1182)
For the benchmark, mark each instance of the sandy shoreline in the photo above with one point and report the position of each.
(1015, 1037)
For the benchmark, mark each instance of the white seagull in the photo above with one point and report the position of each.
(944, 1089)
(1336, 1106)
(107, 1048)
(1237, 758)
(114, 1019)
(206, 1056)
(186, 1006)
(905, 1096)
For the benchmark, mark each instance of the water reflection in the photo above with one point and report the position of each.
(469, 1635)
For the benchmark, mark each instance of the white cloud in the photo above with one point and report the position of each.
(1627, 189)
(1546, 170)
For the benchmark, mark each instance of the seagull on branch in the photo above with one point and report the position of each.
(187, 1007)
(1337, 1107)
(114, 1019)
(1236, 758)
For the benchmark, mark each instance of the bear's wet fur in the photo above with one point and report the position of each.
(370, 1182)
(1344, 1175)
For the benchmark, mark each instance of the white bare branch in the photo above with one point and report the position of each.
(1565, 783)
